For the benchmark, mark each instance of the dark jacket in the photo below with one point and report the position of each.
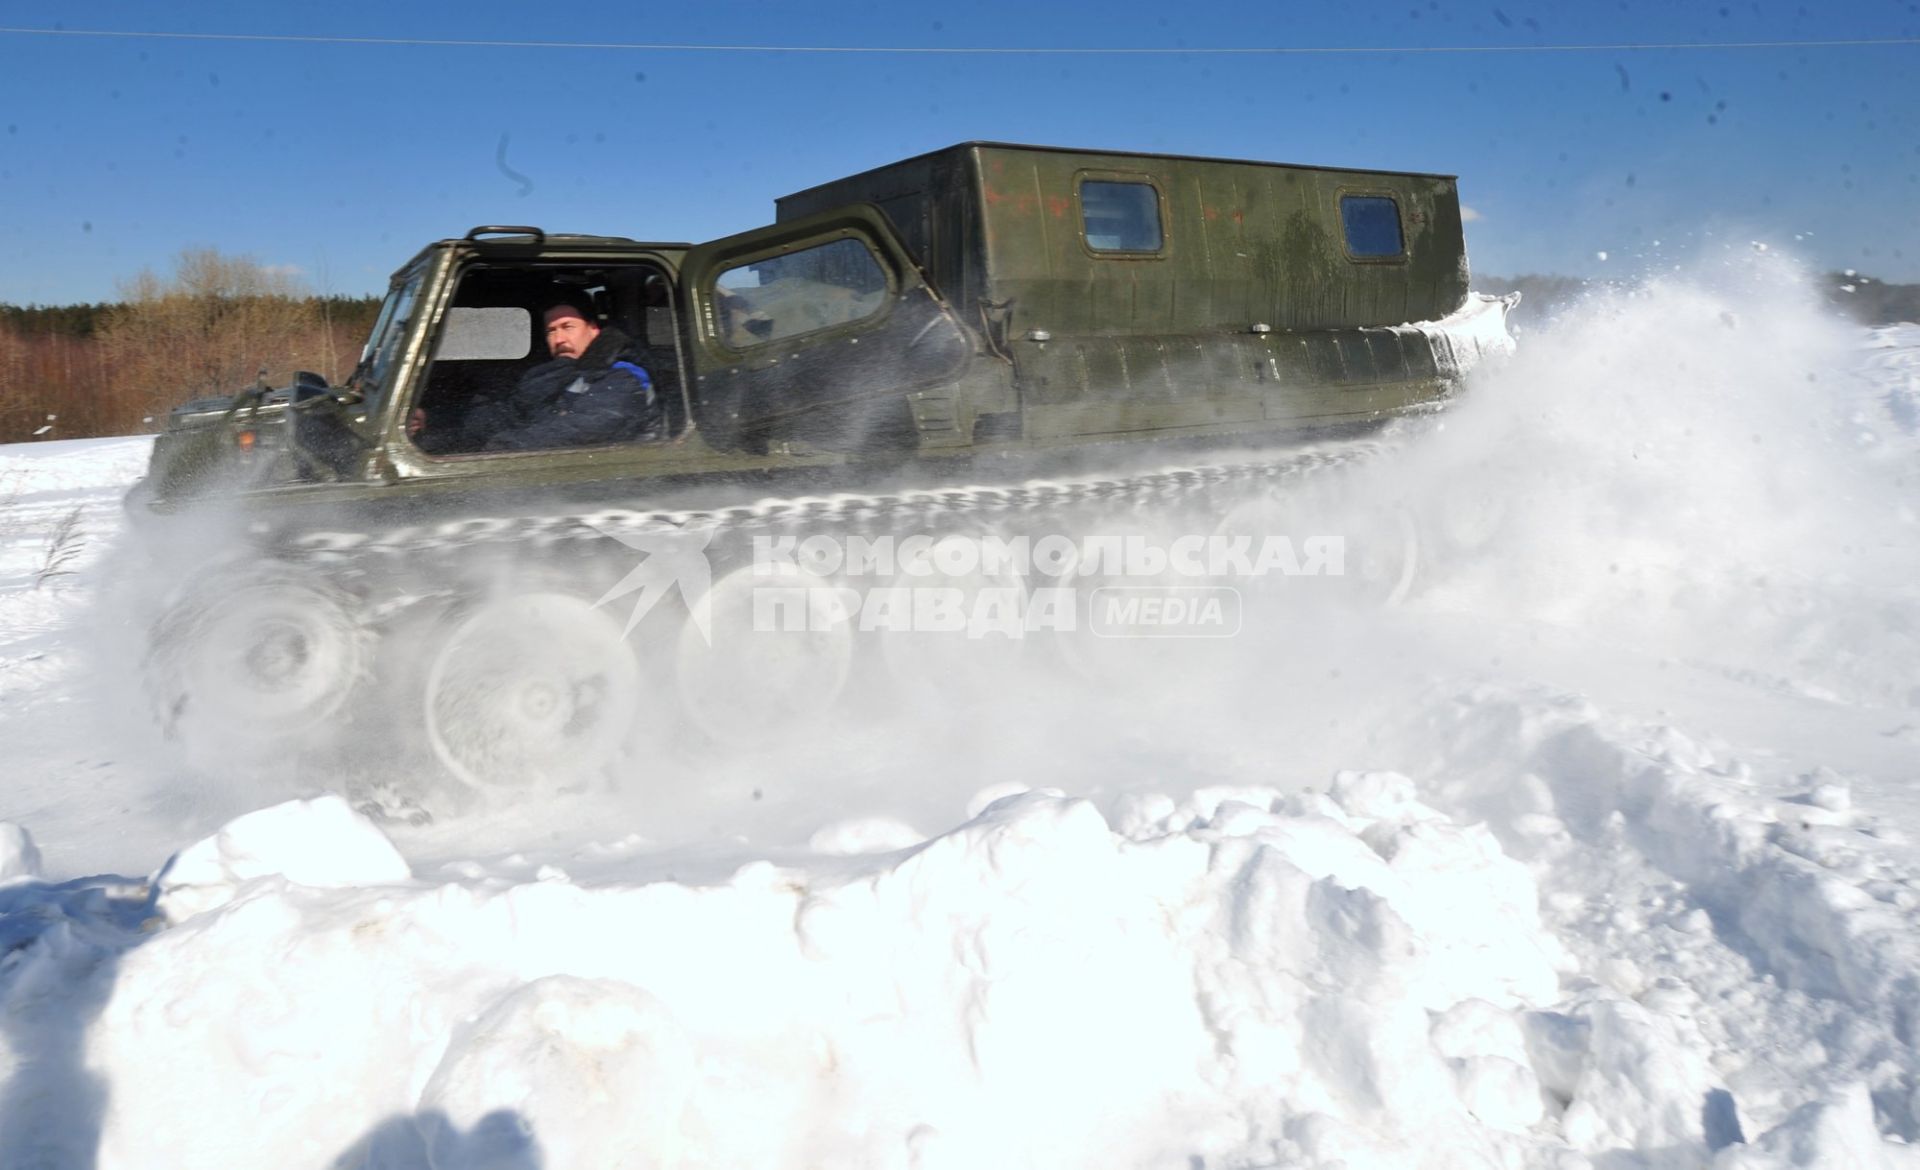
(604, 396)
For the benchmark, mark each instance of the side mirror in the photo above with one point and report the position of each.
(310, 392)
(308, 386)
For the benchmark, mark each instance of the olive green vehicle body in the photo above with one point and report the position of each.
(999, 312)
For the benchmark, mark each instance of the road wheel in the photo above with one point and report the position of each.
(766, 651)
(255, 657)
(532, 692)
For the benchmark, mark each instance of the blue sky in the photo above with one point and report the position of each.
(340, 160)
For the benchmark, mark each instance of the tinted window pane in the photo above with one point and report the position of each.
(1120, 217)
(1373, 225)
(814, 288)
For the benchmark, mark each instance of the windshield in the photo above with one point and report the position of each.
(389, 333)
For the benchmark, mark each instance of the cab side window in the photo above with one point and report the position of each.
(830, 284)
(541, 357)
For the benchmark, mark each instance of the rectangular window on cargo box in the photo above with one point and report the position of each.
(1120, 217)
(1373, 225)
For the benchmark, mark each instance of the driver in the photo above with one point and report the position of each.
(591, 392)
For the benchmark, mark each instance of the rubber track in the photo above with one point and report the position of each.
(1169, 485)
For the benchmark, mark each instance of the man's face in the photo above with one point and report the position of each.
(569, 333)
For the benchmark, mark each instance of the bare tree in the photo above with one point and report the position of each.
(209, 329)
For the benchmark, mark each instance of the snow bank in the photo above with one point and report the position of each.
(1789, 941)
(69, 465)
(1835, 1133)
(320, 843)
(1237, 978)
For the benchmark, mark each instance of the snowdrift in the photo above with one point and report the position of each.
(1036, 988)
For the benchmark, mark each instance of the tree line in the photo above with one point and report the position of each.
(214, 326)
(218, 322)
(88, 319)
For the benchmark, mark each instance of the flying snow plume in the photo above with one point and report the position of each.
(1682, 464)
(161, 650)
(1676, 467)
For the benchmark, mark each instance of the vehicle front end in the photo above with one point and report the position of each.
(217, 444)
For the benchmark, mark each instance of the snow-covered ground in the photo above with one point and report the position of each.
(1596, 850)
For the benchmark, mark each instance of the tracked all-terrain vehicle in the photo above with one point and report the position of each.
(923, 349)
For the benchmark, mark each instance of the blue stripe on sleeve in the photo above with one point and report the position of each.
(636, 371)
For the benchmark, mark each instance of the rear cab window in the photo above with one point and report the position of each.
(1121, 216)
(1371, 224)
